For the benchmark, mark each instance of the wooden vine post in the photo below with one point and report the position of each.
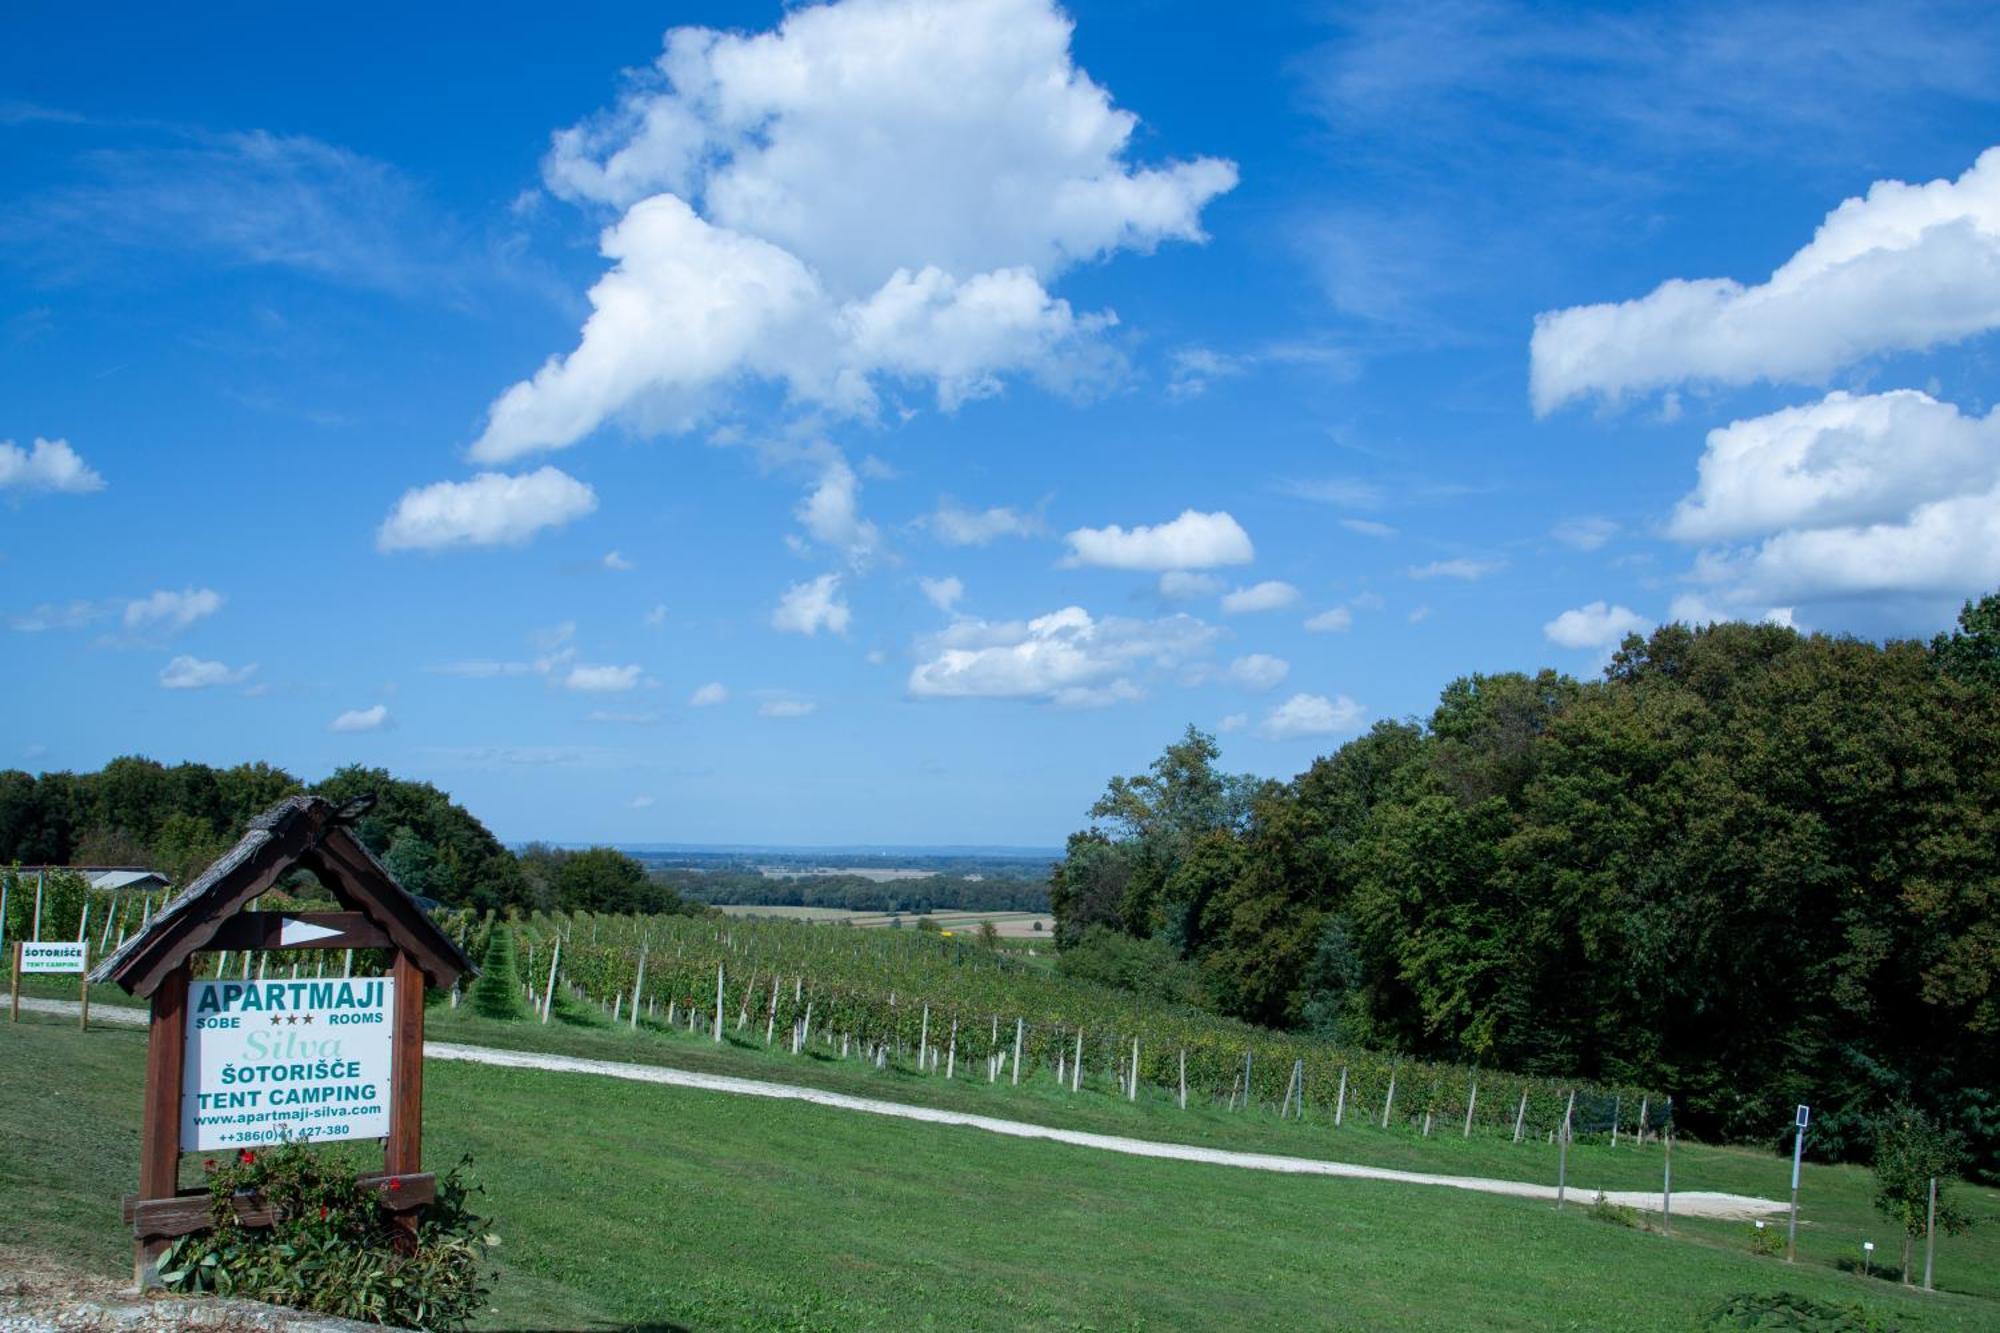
(360, 1058)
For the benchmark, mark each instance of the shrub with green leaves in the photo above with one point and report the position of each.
(332, 1247)
(1766, 1240)
(1786, 1310)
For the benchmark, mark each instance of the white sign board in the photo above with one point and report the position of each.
(52, 956)
(275, 1060)
(1804, 1114)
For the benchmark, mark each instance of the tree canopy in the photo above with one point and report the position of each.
(1753, 866)
(178, 819)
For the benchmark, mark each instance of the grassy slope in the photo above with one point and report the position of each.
(632, 1204)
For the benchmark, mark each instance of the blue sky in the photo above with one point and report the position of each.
(881, 422)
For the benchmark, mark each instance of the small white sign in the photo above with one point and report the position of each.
(53, 955)
(275, 1060)
(1805, 1114)
(293, 932)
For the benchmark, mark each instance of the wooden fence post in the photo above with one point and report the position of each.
(1521, 1116)
(1390, 1100)
(1020, 1030)
(1470, 1102)
(1340, 1102)
(1132, 1091)
(1183, 1078)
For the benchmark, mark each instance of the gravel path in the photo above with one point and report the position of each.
(1687, 1203)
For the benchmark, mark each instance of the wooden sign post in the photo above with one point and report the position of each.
(230, 1064)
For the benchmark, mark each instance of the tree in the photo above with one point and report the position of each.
(413, 862)
(601, 879)
(184, 847)
(1913, 1152)
(1972, 652)
(1751, 865)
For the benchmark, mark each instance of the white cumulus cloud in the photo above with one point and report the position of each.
(1270, 595)
(1844, 460)
(46, 465)
(193, 673)
(957, 526)
(831, 514)
(1311, 715)
(709, 695)
(361, 719)
(171, 610)
(1192, 541)
(1334, 620)
(942, 593)
(491, 509)
(1904, 267)
(1597, 625)
(808, 608)
(1259, 672)
(601, 679)
(1857, 498)
(1066, 657)
(874, 190)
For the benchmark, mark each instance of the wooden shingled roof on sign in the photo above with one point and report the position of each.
(305, 832)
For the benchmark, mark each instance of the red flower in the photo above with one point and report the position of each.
(246, 1157)
(322, 1212)
(208, 1165)
(395, 1183)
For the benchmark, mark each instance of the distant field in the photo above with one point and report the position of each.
(1011, 925)
(873, 874)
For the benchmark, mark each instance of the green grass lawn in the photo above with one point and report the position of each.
(627, 1204)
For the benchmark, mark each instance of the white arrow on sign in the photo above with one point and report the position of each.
(293, 931)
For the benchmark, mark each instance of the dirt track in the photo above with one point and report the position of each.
(1690, 1203)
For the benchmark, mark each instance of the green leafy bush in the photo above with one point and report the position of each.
(1617, 1214)
(1147, 967)
(1784, 1310)
(1766, 1240)
(332, 1247)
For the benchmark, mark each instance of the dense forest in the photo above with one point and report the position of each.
(135, 811)
(1752, 866)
